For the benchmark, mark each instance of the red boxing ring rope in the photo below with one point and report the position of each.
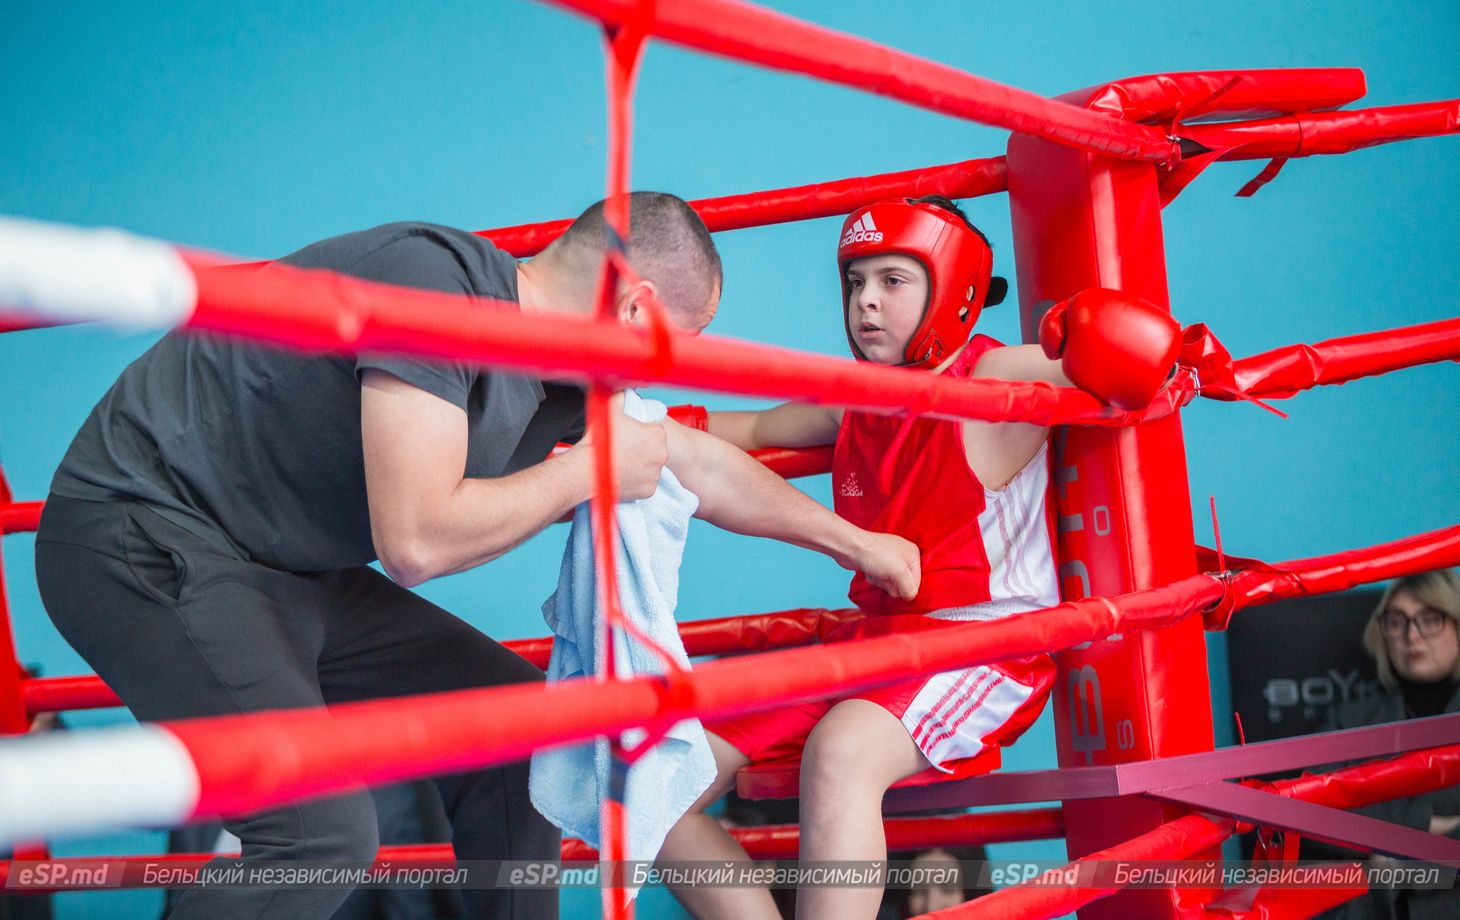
(248, 762)
(242, 763)
(1258, 583)
(1178, 98)
(320, 310)
(759, 36)
(443, 732)
(20, 517)
(719, 636)
(968, 179)
(1285, 371)
(1263, 583)
(1175, 840)
(1314, 133)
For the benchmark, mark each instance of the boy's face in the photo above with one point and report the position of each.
(886, 297)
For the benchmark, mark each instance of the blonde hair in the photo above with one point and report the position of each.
(1439, 589)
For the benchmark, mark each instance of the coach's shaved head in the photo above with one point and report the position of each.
(668, 245)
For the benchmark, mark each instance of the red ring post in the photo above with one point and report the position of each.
(1123, 511)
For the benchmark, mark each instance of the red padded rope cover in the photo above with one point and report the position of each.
(20, 517)
(1314, 133)
(1399, 777)
(1276, 374)
(757, 632)
(725, 635)
(1230, 94)
(968, 179)
(759, 36)
(1176, 839)
(1259, 583)
(253, 761)
(1285, 371)
(247, 762)
(65, 694)
(326, 311)
(1263, 583)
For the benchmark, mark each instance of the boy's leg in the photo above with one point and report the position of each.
(771, 735)
(383, 640)
(852, 756)
(700, 837)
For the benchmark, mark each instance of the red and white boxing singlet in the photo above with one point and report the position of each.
(985, 555)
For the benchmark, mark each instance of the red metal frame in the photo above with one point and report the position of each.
(1411, 774)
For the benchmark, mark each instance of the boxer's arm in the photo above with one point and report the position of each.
(739, 494)
(427, 519)
(998, 450)
(1021, 363)
(786, 425)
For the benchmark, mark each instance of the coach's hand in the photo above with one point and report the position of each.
(640, 451)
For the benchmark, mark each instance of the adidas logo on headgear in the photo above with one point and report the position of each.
(863, 231)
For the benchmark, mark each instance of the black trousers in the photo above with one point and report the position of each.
(180, 626)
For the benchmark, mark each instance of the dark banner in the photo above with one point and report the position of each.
(1291, 662)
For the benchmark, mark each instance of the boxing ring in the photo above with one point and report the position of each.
(1087, 175)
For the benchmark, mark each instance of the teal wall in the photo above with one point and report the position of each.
(255, 128)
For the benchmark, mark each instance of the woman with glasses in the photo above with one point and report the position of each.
(1414, 636)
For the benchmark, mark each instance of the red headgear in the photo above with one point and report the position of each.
(957, 259)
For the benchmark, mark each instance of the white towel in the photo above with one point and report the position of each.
(568, 785)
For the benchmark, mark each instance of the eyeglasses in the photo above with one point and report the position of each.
(1428, 622)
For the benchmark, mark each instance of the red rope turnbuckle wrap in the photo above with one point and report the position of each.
(248, 762)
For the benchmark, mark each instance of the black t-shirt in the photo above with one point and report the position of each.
(261, 446)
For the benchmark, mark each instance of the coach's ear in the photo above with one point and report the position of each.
(633, 302)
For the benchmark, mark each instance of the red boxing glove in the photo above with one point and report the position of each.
(691, 416)
(1112, 345)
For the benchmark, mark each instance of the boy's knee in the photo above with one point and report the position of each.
(728, 761)
(828, 762)
(723, 783)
